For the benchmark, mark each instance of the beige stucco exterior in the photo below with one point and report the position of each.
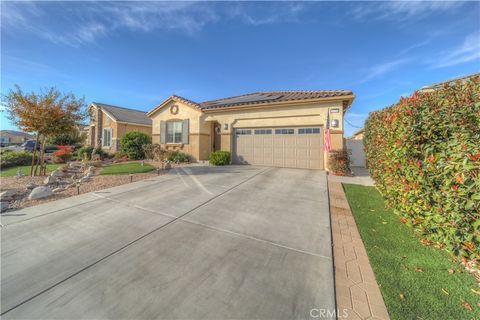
(118, 130)
(201, 123)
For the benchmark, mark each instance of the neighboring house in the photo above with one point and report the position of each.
(358, 135)
(278, 128)
(356, 150)
(434, 86)
(109, 123)
(12, 137)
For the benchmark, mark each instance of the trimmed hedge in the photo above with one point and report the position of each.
(219, 158)
(424, 155)
(12, 159)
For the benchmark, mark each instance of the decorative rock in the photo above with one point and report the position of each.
(31, 186)
(40, 192)
(59, 189)
(50, 180)
(168, 166)
(56, 173)
(9, 195)
(3, 206)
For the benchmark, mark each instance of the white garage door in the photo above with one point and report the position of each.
(291, 147)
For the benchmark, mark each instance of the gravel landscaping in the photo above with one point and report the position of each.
(95, 183)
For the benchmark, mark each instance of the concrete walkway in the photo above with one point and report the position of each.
(360, 176)
(198, 243)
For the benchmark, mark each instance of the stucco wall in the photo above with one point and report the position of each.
(199, 144)
(118, 129)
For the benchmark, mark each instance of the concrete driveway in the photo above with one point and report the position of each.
(236, 242)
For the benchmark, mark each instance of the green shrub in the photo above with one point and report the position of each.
(85, 151)
(424, 155)
(339, 162)
(219, 158)
(178, 157)
(13, 159)
(103, 154)
(132, 143)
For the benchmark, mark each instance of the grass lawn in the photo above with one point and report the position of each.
(11, 172)
(417, 282)
(126, 168)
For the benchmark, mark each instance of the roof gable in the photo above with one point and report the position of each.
(121, 114)
(174, 98)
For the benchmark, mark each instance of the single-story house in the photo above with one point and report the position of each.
(109, 123)
(12, 137)
(277, 128)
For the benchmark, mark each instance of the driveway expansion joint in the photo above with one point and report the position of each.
(128, 244)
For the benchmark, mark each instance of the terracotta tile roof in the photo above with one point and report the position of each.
(271, 96)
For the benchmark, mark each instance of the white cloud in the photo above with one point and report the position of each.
(285, 11)
(381, 69)
(468, 51)
(401, 10)
(86, 22)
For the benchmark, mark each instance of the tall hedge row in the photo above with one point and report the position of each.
(424, 155)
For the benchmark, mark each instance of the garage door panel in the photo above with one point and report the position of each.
(294, 147)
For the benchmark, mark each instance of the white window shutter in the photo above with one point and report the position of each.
(185, 131)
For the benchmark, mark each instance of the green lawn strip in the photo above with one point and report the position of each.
(414, 279)
(126, 168)
(11, 172)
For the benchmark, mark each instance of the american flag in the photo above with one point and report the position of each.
(327, 144)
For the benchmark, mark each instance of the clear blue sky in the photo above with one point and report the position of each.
(137, 54)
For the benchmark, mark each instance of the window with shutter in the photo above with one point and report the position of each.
(174, 132)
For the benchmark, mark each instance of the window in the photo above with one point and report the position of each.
(263, 131)
(243, 131)
(284, 131)
(174, 131)
(107, 137)
(308, 130)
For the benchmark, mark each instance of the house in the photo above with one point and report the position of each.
(277, 128)
(12, 137)
(435, 86)
(109, 123)
(358, 135)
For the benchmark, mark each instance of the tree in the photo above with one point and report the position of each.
(132, 144)
(68, 138)
(44, 114)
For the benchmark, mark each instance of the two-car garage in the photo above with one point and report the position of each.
(291, 147)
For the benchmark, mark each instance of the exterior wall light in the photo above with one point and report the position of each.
(334, 123)
(225, 126)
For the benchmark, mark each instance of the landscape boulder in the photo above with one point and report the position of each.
(31, 186)
(9, 195)
(50, 180)
(57, 173)
(40, 192)
(3, 206)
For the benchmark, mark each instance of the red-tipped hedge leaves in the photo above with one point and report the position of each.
(424, 155)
